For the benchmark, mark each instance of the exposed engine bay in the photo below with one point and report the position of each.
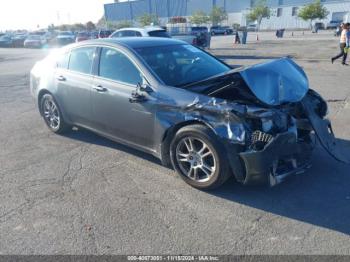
(282, 118)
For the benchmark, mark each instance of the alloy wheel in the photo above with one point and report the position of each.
(195, 159)
(51, 114)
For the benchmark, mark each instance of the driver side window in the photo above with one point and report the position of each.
(116, 66)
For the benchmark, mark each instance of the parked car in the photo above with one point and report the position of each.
(319, 26)
(155, 31)
(199, 29)
(35, 41)
(184, 106)
(252, 28)
(18, 40)
(104, 33)
(140, 32)
(221, 30)
(217, 30)
(6, 41)
(65, 38)
(94, 35)
(229, 30)
(82, 36)
(334, 24)
(48, 36)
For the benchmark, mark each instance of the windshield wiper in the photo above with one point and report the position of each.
(221, 77)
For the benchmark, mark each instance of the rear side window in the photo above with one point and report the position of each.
(159, 33)
(115, 35)
(125, 33)
(81, 59)
(116, 66)
(128, 33)
(63, 61)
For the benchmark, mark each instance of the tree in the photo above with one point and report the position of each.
(199, 18)
(51, 28)
(313, 11)
(63, 27)
(148, 19)
(77, 27)
(260, 11)
(217, 15)
(102, 22)
(90, 26)
(118, 25)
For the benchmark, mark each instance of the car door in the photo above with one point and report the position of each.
(74, 80)
(114, 114)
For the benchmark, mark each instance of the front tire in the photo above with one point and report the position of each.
(199, 158)
(52, 115)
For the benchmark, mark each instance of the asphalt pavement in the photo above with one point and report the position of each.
(83, 194)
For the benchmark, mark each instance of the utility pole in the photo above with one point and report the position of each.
(131, 11)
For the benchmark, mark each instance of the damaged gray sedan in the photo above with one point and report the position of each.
(184, 106)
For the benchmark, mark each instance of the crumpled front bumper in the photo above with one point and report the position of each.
(282, 157)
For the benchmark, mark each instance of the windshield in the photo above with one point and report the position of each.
(159, 33)
(179, 65)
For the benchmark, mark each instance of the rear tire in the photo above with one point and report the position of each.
(199, 157)
(53, 115)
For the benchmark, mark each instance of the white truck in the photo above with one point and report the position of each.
(338, 18)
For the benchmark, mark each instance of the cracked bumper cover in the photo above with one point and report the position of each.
(282, 157)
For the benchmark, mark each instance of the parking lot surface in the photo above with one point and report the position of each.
(82, 194)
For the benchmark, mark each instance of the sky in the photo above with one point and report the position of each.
(29, 14)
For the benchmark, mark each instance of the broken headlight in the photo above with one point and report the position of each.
(264, 129)
(276, 123)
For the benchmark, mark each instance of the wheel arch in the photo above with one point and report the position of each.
(171, 132)
(43, 92)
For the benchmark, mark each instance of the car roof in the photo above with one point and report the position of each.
(144, 29)
(134, 42)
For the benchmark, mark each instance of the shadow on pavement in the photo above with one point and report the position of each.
(320, 197)
(92, 138)
(235, 48)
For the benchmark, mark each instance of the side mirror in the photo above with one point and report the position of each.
(137, 96)
(144, 88)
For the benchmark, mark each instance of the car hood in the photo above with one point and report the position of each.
(276, 82)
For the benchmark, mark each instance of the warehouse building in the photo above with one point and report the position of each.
(283, 12)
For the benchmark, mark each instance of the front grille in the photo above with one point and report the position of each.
(259, 136)
(259, 140)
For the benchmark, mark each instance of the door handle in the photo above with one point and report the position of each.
(61, 78)
(100, 89)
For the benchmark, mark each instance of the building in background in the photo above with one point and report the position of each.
(284, 13)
